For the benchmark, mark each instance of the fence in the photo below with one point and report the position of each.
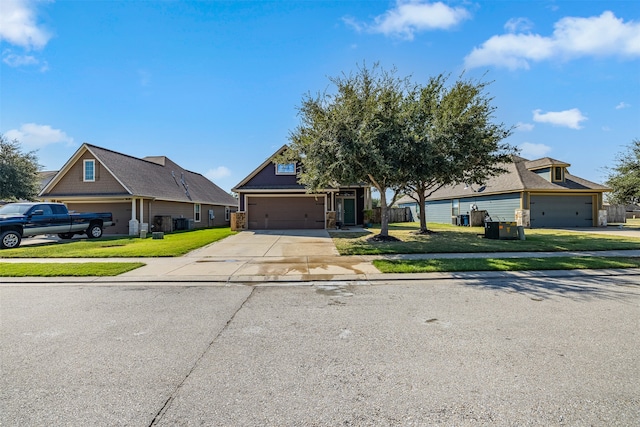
(395, 215)
(616, 213)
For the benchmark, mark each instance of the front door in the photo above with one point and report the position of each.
(349, 212)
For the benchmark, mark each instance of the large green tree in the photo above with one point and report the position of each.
(18, 172)
(353, 135)
(624, 177)
(452, 138)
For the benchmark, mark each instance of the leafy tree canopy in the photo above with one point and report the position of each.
(18, 172)
(452, 138)
(624, 177)
(387, 132)
(353, 136)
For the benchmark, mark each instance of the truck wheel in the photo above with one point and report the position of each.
(10, 239)
(65, 236)
(94, 231)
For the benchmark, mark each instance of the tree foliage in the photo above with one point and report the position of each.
(353, 136)
(624, 177)
(387, 132)
(451, 138)
(18, 172)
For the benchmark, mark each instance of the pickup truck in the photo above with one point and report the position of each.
(18, 220)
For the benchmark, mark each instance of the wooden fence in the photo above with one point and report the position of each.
(616, 213)
(395, 215)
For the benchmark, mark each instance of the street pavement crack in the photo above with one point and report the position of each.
(167, 403)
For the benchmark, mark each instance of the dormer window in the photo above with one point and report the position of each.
(286, 168)
(89, 171)
(558, 174)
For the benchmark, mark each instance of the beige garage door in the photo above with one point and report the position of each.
(286, 212)
(121, 214)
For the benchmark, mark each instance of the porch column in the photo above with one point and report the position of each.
(133, 208)
(141, 211)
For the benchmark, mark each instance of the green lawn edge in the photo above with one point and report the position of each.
(172, 245)
(70, 269)
(505, 264)
(446, 238)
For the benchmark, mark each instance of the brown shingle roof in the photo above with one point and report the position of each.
(159, 178)
(518, 178)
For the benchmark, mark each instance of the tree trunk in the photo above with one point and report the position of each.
(423, 211)
(384, 213)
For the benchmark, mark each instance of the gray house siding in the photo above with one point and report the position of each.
(501, 207)
(439, 211)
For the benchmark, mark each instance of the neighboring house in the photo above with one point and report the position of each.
(537, 194)
(271, 198)
(152, 190)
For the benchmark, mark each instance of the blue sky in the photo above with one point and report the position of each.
(215, 85)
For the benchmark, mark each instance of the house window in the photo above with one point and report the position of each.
(557, 174)
(196, 212)
(286, 168)
(89, 171)
(455, 207)
(227, 210)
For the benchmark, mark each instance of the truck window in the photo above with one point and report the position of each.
(46, 209)
(59, 209)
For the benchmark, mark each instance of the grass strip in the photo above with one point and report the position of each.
(175, 244)
(446, 238)
(504, 264)
(38, 269)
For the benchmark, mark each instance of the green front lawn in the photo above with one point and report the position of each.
(172, 245)
(34, 269)
(503, 264)
(451, 239)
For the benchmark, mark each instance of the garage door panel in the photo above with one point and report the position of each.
(561, 211)
(278, 213)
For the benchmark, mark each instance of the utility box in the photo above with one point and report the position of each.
(501, 230)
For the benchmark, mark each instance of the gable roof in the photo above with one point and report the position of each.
(544, 162)
(519, 177)
(155, 177)
(259, 169)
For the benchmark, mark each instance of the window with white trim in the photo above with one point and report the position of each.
(89, 170)
(286, 168)
(227, 210)
(196, 212)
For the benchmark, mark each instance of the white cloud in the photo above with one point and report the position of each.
(411, 16)
(524, 127)
(622, 105)
(568, 118)
(18, 25)
(518, 24)
(218, 173)
(15, 60)
(34, 136)
(532, 151)
(599, 36)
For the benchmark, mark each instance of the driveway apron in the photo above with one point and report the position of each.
(273, 255)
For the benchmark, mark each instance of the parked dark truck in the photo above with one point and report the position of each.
(18, 220)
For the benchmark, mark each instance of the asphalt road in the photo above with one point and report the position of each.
(537, 351)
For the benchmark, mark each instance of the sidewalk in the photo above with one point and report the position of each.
(197, 267)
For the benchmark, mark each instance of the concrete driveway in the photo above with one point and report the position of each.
(257, 256)
(272, 243)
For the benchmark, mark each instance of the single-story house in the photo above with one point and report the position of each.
(152, 190)
(536, 194)
(270, 197)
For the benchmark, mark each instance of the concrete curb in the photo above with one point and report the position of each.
(308, 279)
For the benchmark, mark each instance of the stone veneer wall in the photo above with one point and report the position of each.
(331, 220)
(238, 221)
